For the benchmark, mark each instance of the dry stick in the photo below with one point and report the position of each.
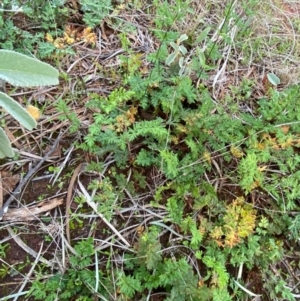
(68, 202)
(29, 273)
(32, 212)
(93, 205)
(30, 173)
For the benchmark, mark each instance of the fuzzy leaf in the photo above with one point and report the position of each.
(202, 35)
(273, 79)
(182, 38)
(171, 57)
(181, 62)
(21, 70)
(182, 49)
(17, 111)
(5, 148)
(202, 59)
(174, 46)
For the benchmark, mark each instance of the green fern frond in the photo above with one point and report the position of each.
(154, 128)
(170, 163)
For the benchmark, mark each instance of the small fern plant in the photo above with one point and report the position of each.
(20, 70)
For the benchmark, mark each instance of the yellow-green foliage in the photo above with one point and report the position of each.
(238, 223)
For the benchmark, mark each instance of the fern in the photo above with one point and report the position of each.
(186, 90)
(170, 163)
(194, 148)
(197, 237)
(290, 187)
(128, 285)
(179, 275)
(145, 158)
(153, 128)
(221, 295)
(250, 176)
(175, 208)
(149, 249)
(95, 11)
(218, 271)
(238, 223)
(112, 102)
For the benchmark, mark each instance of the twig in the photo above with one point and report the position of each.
(62, 165)
(29, 274)
(31, 213)
(93, 205)
(68, 201)
(30, 173)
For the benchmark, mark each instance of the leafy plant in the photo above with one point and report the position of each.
(239, 222)
(78, 282)
(95, 11)
(41, 18)
(151, 272)
(218, 162)
(63, 107)
(18, 69)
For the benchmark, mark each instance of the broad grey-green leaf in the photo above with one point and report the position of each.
(273, 79)
(174, 46)
(171, 57)
(21, 70)
(202, 35)
(202, 59)
(181, 62)
(182, 49)
(182, 38)
(17, 111)
(5, 148)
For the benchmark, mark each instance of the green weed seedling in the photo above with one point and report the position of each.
(95, 11)
(79, 280)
